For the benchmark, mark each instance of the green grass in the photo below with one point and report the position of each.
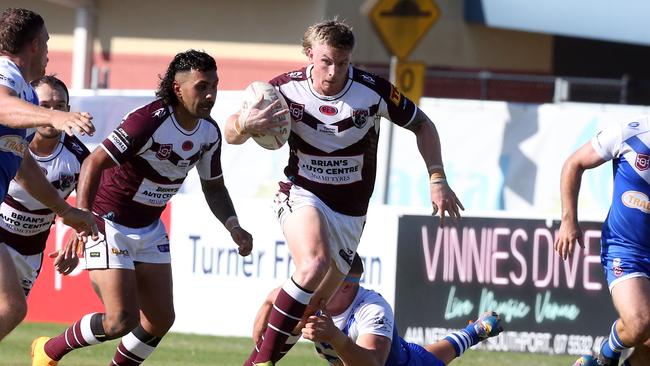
(185, 349)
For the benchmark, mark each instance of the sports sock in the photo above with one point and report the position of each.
(135, 347)
(612, 348)
(87, 331)
(463, 339)
(288, 309)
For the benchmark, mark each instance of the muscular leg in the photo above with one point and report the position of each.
(13, 306)
(305, 231)
(154, 283)
(632, 301)
(117, 290)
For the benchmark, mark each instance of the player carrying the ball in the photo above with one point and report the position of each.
(335, 110)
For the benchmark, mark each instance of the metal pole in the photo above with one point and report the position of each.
(389, 153)
(83, 51)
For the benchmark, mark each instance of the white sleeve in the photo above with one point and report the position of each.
(375, 318)
(607, 142)
(10, 79)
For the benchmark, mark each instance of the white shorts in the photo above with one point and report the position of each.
(122, 246)
(343, 231)
(27, 266)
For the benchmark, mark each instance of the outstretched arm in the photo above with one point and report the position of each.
(218, 199)
(584, 158)
(443, 198)
(17, 113)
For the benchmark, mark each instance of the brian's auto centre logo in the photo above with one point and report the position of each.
(635, 199)
(642, 161)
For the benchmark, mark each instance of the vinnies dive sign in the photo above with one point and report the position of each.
(447, 276)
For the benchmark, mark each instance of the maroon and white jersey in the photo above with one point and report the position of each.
(333, 141)
(24, 221)
(154, 154)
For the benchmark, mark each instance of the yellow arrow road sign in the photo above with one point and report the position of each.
(402, 23)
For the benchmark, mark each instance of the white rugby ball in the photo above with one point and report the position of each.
(252, 95)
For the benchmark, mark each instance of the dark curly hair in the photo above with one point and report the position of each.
(184, 61)
(18, 27)
(54, 82)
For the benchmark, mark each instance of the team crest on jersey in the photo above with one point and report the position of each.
(642, 161)
(65, 181)
(296, 110)
(328, 110)
(164, 151)
(360, 117)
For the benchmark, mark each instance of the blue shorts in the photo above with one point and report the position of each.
(622, 266)
(421, 357)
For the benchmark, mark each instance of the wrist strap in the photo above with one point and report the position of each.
(231, 223)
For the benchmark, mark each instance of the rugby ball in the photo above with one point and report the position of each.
(252, 95)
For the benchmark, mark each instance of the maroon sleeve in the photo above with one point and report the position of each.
(134, 131)
(395, 106)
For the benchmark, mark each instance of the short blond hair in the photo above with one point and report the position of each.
(332, 32)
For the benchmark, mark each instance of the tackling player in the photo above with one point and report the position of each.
(141, 165)
(625, 241)
(335, 110)
(23, 57)
(357, 328)
(25, 222)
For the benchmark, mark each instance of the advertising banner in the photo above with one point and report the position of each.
(447, 276)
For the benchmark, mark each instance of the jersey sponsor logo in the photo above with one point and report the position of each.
(295, 74)
(163, 248)
(120, 139)
(334, 170)
(347, 255)
(395, 95)
(328, 110)
(637, 200)
(76, 147)
(368, 78)
(360, 117)
(633, 124)
(155, 194)
(14, 144)
(122, 252)
(164, 151)
(7, 80)
(642, 161)
(158, 112)
(328, 129)
(297, 110)
(183, 163)
(187, 145)
(24, 223)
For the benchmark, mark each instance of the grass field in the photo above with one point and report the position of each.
(182, 349)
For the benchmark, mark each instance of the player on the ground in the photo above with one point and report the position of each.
(625, 241)
(23, 57)
(142, 164)
(25, 222)
(357, 328)
(335, 110)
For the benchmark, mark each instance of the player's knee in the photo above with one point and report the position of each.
(119, 324)
(637, 325)
(314, 268)
(13, 310)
